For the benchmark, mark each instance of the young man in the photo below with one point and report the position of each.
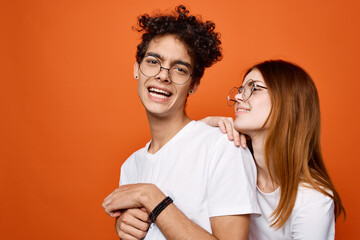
(211, 182)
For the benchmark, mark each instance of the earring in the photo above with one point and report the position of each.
(136, 77)
(191, 91)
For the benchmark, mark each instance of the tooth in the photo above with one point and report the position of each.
(159, 91)
(158, 95)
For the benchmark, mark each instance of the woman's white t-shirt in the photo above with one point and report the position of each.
(312, 217)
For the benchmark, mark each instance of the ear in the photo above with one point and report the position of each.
(136, 70)
(194, 87)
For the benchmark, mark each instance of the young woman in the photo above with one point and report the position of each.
(277, 107)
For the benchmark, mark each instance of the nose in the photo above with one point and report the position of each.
(163, 75)
(239, 97)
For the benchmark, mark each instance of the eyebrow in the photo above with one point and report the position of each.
(254, 81)
(173, 63)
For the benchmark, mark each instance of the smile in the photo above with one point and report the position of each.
(242, 110)
(159, 93)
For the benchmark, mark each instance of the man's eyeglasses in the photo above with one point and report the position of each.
(246, 92)
(178, 73)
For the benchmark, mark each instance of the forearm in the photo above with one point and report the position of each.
(171, 221)
(175, 225)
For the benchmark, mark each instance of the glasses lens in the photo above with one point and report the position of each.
(179, 74)
(150, 66)
(231, 100)
(248, 88)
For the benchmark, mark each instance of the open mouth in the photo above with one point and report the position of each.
(242, 110)
(159, 93)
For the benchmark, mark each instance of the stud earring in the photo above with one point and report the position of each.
(191, 91)
(136, 77)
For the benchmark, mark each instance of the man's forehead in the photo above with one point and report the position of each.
(168, 47)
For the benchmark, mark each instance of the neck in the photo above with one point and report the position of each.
(263, 175)
(163, 129)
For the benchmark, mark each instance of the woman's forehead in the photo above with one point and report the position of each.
(254, 75)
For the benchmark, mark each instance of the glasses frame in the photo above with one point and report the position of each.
(161, 67)
(231, 102)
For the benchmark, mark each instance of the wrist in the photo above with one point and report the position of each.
(150, 197)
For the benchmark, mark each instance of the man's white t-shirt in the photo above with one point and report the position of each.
(311, 219)
(202, 171)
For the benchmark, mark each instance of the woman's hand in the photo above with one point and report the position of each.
(132, 224)
(226, 125)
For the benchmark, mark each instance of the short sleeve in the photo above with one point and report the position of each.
(123, 178)
(232, 180)
(128, 172)
(315, 218)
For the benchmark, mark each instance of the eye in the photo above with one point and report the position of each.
(178, 69)
(151, 61)
(257, 88)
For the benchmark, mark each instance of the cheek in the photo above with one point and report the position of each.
(265, 112)
(183, 92)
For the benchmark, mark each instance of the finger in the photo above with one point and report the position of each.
(125, 236)
(222, 126)
(132, 231)
(139, 214)
(236, 138)
(229, 129)
(133, 217)
(212, 121)
(109, 198)
(243, 141)
(116, 213)
(113, 208)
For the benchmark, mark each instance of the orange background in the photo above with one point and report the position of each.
(70, 113)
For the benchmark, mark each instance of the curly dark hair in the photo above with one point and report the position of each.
(202, 41)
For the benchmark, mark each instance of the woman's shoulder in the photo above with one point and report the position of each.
(311, 200)
(313, 215)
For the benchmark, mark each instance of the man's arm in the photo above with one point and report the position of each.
(231, 227)
(171, 221)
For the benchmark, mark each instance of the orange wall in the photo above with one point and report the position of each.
(70, 114)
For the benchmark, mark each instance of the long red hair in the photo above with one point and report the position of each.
(292, 147)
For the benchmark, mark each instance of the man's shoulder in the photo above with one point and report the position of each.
(216, 141)
(138, 153)
(207, 132)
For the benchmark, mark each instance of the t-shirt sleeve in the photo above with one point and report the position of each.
(128, 172)
(123, 178)
(315, 219)
(232, 180)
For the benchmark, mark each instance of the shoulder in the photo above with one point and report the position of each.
(220, 147)
(203, 129)
(308, 196)
(313, 215)
(211, 135)
(130, 161)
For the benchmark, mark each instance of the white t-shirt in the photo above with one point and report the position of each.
(312, 217)
(202, 171)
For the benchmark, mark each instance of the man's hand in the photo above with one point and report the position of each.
(132, 196)
(132, 224)
(226, 125)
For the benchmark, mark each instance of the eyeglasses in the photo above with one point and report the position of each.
(246, 92)
(178, 73)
